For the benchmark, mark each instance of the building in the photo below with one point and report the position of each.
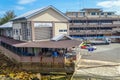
(39, 24)
(6, 29)
(43, 56)
(38, 41)
(90, 23)
(28, 38)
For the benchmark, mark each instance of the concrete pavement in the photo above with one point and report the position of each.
(110, 53)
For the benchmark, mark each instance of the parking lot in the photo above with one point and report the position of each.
(103, 53)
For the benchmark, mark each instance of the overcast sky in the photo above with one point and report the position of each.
(22, 6)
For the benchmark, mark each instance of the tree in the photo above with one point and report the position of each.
(7, 16)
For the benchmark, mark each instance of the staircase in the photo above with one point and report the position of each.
(9, 54)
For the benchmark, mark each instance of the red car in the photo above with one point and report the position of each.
(88, 46)
(83, 47)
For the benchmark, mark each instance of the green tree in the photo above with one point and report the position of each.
(7, 16)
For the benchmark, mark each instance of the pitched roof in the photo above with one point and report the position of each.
(7, 25)
(60, 37)
(37, 11)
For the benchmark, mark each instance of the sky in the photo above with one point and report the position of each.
(22, 6)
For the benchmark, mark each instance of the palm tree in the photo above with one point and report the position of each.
(7, 16)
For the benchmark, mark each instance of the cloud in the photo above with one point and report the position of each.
(110, 5)
(19, 7)
(25, 1)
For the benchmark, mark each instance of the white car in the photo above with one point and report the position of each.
(91, 46)
(94, 47)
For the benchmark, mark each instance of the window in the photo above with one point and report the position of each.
(62, 30)
(77, 30)
(106, 21)
(92, 30)
(92, 21)
(102, 13)
(65, 30)
(20, 31)
(74, 14)
(28, 32)
(97, 13)
(93, 13)
(24, 24)
(82, 13)
(16, 32)
(13, 31)
(109, 13)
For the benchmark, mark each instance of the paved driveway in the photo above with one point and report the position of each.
(105, 53)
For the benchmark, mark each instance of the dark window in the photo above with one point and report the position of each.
(75, 14)
(102, 13)
(71, 28)
(109, 13)
(20, 31)
(28, 32)
(65, 30)
(82, 13)
(97, 13)
(106, 21)
(93, 13)
(60, 30)
(92, 21)
(13, 31)
(16, 32)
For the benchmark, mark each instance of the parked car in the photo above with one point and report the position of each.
(88, 46)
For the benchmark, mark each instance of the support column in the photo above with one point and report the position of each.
(33, 31)
(68, 32)
(53, 29)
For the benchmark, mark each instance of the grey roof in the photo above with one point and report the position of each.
(50, 44)
(7, 25)
(61, 36)
(37, 11)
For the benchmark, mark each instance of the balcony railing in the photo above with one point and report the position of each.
(97, 17)
(76, 32)
(93, 25)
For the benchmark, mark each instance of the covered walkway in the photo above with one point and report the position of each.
(42, 52)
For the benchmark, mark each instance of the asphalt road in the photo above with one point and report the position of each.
(104, 53)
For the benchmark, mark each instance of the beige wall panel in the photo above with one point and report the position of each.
(60, 26)
(48, 15)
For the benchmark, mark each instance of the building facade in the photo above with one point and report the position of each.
(93, 23)
(32, 41)
(40, 24)
(6, 30)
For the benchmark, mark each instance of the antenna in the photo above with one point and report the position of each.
(82, 4)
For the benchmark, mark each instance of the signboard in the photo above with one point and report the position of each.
(42, 24)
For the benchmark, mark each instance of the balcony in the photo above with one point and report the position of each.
(97, 17)
(93, 25)
(84, 32)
